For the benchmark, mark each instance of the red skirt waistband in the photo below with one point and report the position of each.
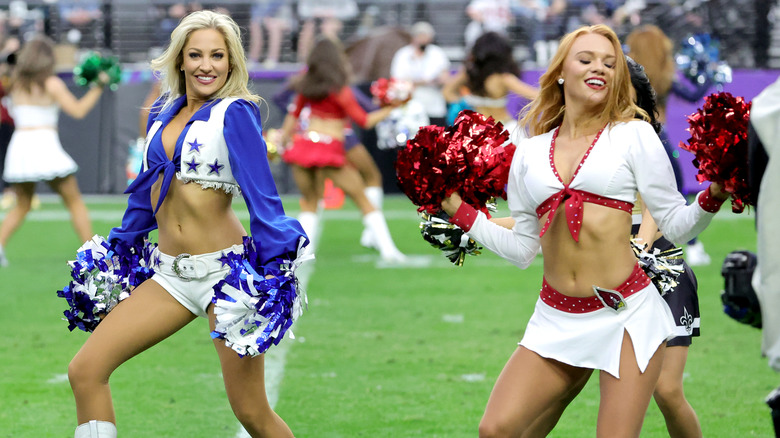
(635, 282)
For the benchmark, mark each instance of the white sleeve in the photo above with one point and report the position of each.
(520, 244)
(656, 184)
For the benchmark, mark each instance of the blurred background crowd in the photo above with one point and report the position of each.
(281, 31)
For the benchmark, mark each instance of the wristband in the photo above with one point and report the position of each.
(465, 217)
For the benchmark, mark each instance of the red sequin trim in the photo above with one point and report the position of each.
(637, 281)
(707, 202)
(465, 217)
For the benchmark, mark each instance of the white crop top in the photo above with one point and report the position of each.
(627, 158)
(34, 116)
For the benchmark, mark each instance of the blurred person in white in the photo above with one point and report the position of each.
(276, 17)
(35, 153)
(427, 67)
(765, 121)
(487, 16)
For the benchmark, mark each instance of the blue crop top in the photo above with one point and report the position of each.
(246, 167)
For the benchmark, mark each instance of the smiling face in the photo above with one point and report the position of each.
(589, 70)
(205, 63)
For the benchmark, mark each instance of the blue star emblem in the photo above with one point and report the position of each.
(195, 146)
(216, 167)
(193, 165)
(225, 259)
(157, 262)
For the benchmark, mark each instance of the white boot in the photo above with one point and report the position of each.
(376, 196)
(310, 223)
(375, 222)
(96, 429)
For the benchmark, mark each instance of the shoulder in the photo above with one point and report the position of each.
(632, 127)
(54, 83)
(238, 107)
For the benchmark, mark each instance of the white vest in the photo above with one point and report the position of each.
(204, 155)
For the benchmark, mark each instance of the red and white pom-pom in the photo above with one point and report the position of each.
(471, 157)
(387, 91)
(718, 140)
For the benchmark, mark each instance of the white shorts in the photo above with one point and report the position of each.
(190, 279)
(593, 339)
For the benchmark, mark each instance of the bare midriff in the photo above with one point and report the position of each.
(194, 220)
(333, 128)
(602, 257)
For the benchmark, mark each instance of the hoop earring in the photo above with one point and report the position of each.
(560, 81)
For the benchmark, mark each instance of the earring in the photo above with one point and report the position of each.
(560, 81)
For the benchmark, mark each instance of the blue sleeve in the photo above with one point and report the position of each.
(275, 234)
(691, 94)
(138, 220)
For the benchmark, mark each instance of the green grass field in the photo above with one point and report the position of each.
(381, 352)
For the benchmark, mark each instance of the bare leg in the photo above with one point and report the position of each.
(624, 401)
(245, 386)
(68, 189)
(528, 386)
(681, 419)
(255, 40)
(15, 217)
(307, 180)
(276, 28)
(348, 179)
(305, 39)
(359, 157)
(147, 317)
(545, 423)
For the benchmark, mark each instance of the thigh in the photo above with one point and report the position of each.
(140, 321)
(359, 157)
(243, 376)
(528, 386)
(348, 179)
(673, 367)
(306, 180)
(67, 187)
(624, 401)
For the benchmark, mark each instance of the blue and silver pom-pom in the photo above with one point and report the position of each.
(448, 238)
(663, 267)
(699, 60)
(256, 306)
(103, 275)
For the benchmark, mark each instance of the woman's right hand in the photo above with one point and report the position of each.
(451, 204)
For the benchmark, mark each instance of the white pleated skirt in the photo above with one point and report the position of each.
(594, 339)
(36, 155)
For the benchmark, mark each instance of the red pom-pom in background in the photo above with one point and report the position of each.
(719, 143)
(471, 157)
(387, 91)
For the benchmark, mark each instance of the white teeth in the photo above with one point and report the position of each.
(205, 78)
(598, 82)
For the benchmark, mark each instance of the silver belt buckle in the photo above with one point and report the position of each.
(178, 270)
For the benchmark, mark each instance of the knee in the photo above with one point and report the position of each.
(252, 417)
(84, 373)
(667, 395)
(494, 429)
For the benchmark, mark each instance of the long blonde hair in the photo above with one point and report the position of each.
(167, 67)
(546, 111)
(650, 47)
